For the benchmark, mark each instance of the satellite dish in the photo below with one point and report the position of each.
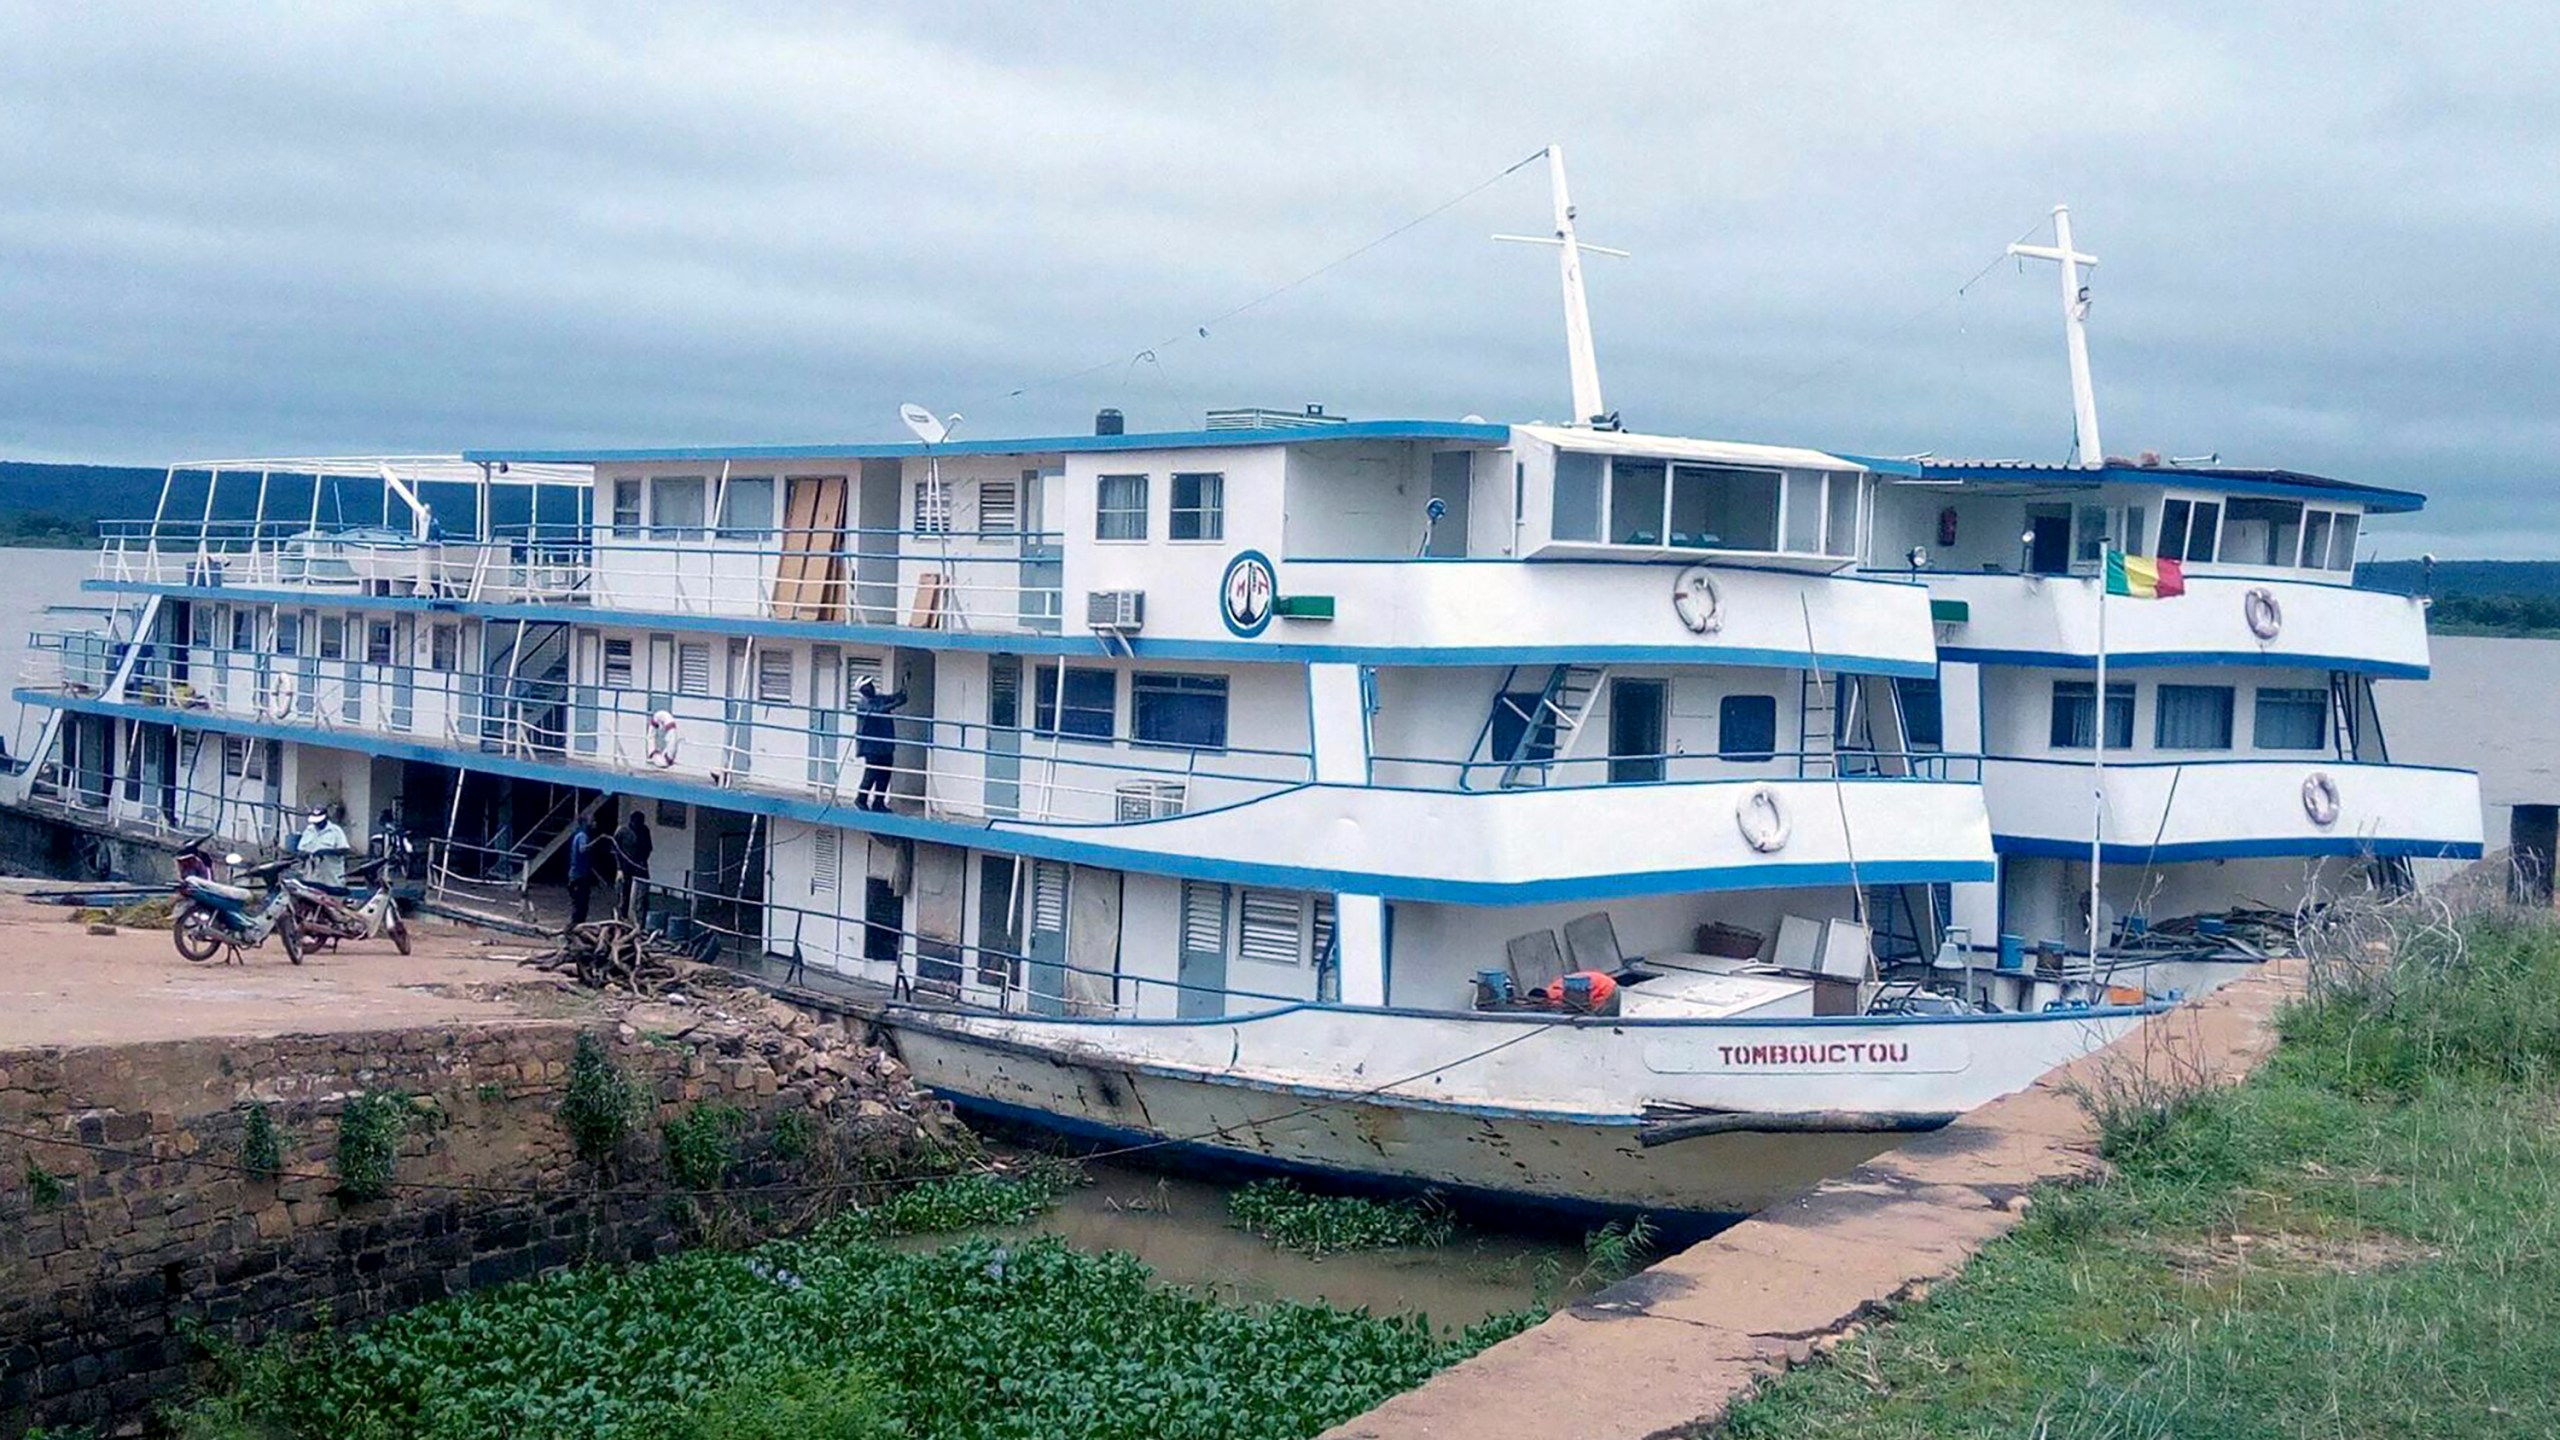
(928, 429)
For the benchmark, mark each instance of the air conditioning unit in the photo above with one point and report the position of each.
(1115, 609)
(1149, 799)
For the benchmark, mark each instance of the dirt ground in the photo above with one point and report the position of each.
(60, 985)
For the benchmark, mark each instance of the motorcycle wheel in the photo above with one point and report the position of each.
(289, 931)
(399, 932)
(193, 932)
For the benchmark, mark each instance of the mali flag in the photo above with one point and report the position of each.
(2143, 578)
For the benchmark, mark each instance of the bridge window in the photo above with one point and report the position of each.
(1579, 481)
(675, 507)
(2189, 530)
(746, 507)
(2262, 532)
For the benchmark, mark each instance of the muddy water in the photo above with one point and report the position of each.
(1179, 1227)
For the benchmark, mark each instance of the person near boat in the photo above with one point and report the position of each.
(875, 742)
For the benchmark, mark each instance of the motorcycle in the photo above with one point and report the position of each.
(331, 913)
(211, 915)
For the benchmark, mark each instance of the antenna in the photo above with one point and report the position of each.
(1587, 409)
(2075, 314)
(928, 429)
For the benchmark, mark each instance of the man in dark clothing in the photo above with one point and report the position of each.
(631, 846)
(582, 872)
(875, 741)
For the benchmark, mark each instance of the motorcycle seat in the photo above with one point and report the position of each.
(226, 891)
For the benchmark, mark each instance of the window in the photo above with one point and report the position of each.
(444, 647)
(675, 507)
(2291, 719)
(2262, 532)
(1577, 497)
(1923, 717)
(2315, 539)
(617, 664)
(1120, 507)
(1271, 927)
(1090, 708)
(2192, 717)
(244, 628)
(1747, 727)
(200, 627)
(2188, 529)
(1727, 509)
(933, 507)
(2088, 534)
(2075, 727)
(626, 508)
(333, 637)
(243, 758)
(1199, 507)
(773, 676)
(1636, 489)
(288, 632)
(2328, 540)
(746, 508)
(999, 507)
(1179, 710)
(2131, 541)
(377, 643)
(1804, 512)
(2342, 542)
(693, 668)
(1841, 535)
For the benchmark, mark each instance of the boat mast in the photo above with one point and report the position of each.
(1584, 363)
(2075, 333)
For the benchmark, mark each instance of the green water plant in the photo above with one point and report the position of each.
(702, 1144)
(1296, 1219)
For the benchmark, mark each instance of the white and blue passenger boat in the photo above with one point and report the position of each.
(1249, 776)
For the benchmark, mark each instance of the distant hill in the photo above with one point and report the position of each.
(60, 505)
(2462, 577)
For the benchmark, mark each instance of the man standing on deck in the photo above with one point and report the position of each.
(875, 742)
(582, 871)
(631, 846)
(324, 842)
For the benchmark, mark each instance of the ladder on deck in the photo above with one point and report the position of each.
(1907, 921)
(1819, 708)
(1548, 727)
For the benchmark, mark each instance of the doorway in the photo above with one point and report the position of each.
(2048, 539)
(1636, 730)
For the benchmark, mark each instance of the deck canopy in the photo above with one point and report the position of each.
(2020, 476)
(219, 503)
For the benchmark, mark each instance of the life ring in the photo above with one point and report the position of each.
(1695, 599)
(280, 695)
(663, 738)
(2320, 798)
(1763, 820)
(2265, 616)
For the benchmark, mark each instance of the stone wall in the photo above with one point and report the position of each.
(126, 1209)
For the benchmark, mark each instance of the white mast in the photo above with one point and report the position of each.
(2075, 315)
(1585, 364)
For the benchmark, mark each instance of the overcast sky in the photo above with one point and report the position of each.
(271, 229)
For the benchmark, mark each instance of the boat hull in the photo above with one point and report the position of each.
(1557, 1123)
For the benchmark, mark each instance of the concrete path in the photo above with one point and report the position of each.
(1664, 1352)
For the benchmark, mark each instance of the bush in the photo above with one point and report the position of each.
(261, 1148)
(600, 1104)
(369, 1131)
(702, 1143)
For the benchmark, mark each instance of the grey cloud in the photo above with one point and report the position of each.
(293, 228)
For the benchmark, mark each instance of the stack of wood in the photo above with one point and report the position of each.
(606, 954)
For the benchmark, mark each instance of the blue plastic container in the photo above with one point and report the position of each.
(2013, 952)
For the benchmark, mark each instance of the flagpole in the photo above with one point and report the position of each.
(2098, 769)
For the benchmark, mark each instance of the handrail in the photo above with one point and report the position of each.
(1593, 770)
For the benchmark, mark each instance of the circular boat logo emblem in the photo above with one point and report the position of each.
(1246, 593)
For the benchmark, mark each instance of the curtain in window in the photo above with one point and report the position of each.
(2292, 719)
(1179, 710)
(2074, 720)
(2193, 717)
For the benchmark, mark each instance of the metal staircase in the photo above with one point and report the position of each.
(1525, 737)
(481, 880)
(1818, 705)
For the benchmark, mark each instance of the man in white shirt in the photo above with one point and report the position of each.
(324, 840)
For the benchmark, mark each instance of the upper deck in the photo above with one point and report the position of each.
(1382, 542)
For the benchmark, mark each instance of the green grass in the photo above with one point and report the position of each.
(840, 1335)
(2363, 1240)
(1295, 1219)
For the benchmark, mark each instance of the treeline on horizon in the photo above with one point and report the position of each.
(60, 505)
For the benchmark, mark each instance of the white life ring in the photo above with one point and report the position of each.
(663, 738)
(280, 694)
(1763, 820)
(1695, 599)
(2320, 798)
(2265, 616)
